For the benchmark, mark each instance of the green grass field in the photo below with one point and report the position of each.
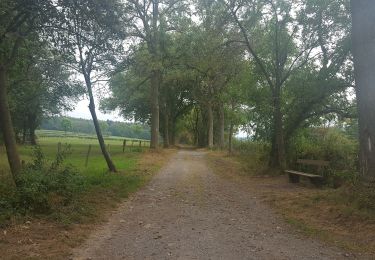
(79, 144)
(95, 174)
(62, 134)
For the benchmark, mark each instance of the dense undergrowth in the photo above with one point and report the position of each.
(330, 144)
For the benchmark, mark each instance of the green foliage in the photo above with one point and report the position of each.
(66, 124)
(84, 126)
(43, 186)
(254, 155)
(328, 144)
(60, 187)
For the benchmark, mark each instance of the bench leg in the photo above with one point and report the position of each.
(293, 178)
(317, 182)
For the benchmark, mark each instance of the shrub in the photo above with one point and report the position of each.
(42, 186)
(328, 144)
(255, 155)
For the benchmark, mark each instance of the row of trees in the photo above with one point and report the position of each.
(194, 69)
(271, 67)
(108, 127)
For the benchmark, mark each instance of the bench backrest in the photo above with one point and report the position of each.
(313, 162)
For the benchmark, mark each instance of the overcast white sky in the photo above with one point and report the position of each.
(82, 111)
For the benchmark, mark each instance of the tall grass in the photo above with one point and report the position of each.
(71, 192)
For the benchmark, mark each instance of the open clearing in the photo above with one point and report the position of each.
(187, 212)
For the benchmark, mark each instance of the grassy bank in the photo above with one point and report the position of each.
(50, 233)
(343, 217)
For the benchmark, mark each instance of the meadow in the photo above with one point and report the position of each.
(85, 181)
(78, 144)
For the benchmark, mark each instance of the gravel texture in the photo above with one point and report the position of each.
(188, 212)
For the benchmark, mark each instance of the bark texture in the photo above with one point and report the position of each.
(277, 158)
(155, 77)
(221, 127)
(166, 128)
(7, 126)
(363, 37)
(230, 143)
(210, 126)
(98, 131)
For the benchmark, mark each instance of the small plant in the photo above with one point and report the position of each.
(42, 186)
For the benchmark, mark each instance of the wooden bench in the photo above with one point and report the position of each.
(316, 179)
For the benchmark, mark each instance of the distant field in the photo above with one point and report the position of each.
(78, 147)
(55, 133)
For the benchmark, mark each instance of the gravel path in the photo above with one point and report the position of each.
(187, 212)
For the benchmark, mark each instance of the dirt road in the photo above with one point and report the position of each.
(188, 212)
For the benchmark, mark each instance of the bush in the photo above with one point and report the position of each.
(328, 144)
(254, 155)
(43, 186)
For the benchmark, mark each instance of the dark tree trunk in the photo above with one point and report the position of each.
(24, 134)
(230, 144)
(221, 127)
(99, 135)
(277, 156)
(363, 34)
(172, 132)
(33, 124)
(7, 127)
(155, 77)
(155, 81)
(210, 125)
(32, 136)
(166, 128)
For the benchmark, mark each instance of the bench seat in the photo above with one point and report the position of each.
(309, 175)
(294, 176)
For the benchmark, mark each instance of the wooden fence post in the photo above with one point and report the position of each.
(123, 146)
(87, 156)
(59, 148)
(140, 143)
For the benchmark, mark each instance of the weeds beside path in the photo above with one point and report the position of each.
(53, 236)
(323, 214)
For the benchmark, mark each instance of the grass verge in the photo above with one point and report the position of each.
(54, 233)
(340, 217)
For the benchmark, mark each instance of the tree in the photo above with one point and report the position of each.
(281, 42)
(131, 86)
(66, 124)
(39, 86)
(363, 19)
(18, 20)
(148, 21)
(93, 38)
(213, 65)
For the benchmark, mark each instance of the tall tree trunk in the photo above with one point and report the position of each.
(221, 127)
(172, 132)
(277, 157)
(24, 133)
(210, 125)
(166, 128)
(32, 136)
(230, 144)
(98, 131)
(7, 127)
(32, 122)
(363, 34)
(155, 81)
(155, 77)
